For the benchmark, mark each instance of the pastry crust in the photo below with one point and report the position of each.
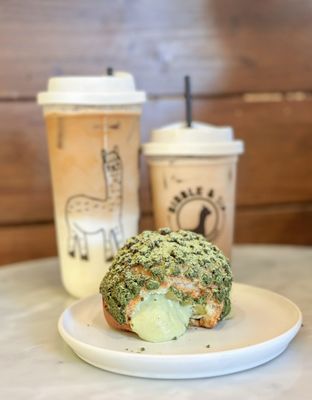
(112, 322)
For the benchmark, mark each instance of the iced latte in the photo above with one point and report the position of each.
(193, 176)
(93, 130)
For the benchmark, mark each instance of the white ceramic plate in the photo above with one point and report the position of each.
(261, 326)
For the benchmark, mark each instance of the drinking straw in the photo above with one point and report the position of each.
(188, 101)
(110, 71)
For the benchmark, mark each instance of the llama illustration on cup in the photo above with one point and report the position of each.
(88, 215)
(200, 227)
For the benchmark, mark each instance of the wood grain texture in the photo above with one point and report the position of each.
(26, 242)
(289, 224)
(275, 168)
(286, 225)
(24, 166)
(227, 46)
(232, 50)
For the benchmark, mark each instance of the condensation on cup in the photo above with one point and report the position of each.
(193, 178)
(93, 130)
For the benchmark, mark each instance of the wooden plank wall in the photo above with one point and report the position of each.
(251, 64)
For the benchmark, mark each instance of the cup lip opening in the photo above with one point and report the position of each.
(152, 149)
(227, 159)
(104, 109)
(90, 99)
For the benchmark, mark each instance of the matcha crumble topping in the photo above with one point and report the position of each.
(148, 260)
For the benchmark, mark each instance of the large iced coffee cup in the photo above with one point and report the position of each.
(93, 129)
(192, 174)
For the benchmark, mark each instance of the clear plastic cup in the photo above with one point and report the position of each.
(193, 179)
(93, 130)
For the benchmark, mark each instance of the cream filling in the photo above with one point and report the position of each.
(158, 319)
(201, 310)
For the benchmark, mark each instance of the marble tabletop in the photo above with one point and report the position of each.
(36, 364)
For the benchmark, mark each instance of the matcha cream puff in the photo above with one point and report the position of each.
(161, 282)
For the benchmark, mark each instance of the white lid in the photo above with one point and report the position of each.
(199, 140)
(115, 89)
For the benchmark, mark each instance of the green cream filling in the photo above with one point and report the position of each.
(159, 319)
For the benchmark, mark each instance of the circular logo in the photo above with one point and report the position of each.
(198, 213)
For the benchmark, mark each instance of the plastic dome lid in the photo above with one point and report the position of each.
(198, 140)
(116, 89)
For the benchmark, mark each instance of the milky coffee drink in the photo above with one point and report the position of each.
(193, 179)
(93, 130)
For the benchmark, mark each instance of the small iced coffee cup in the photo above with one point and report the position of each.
(93, 131)
(193, 179)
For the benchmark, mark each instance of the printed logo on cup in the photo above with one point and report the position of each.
(199, 210)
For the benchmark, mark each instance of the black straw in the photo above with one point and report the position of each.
(188, 100)
(110, 71)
